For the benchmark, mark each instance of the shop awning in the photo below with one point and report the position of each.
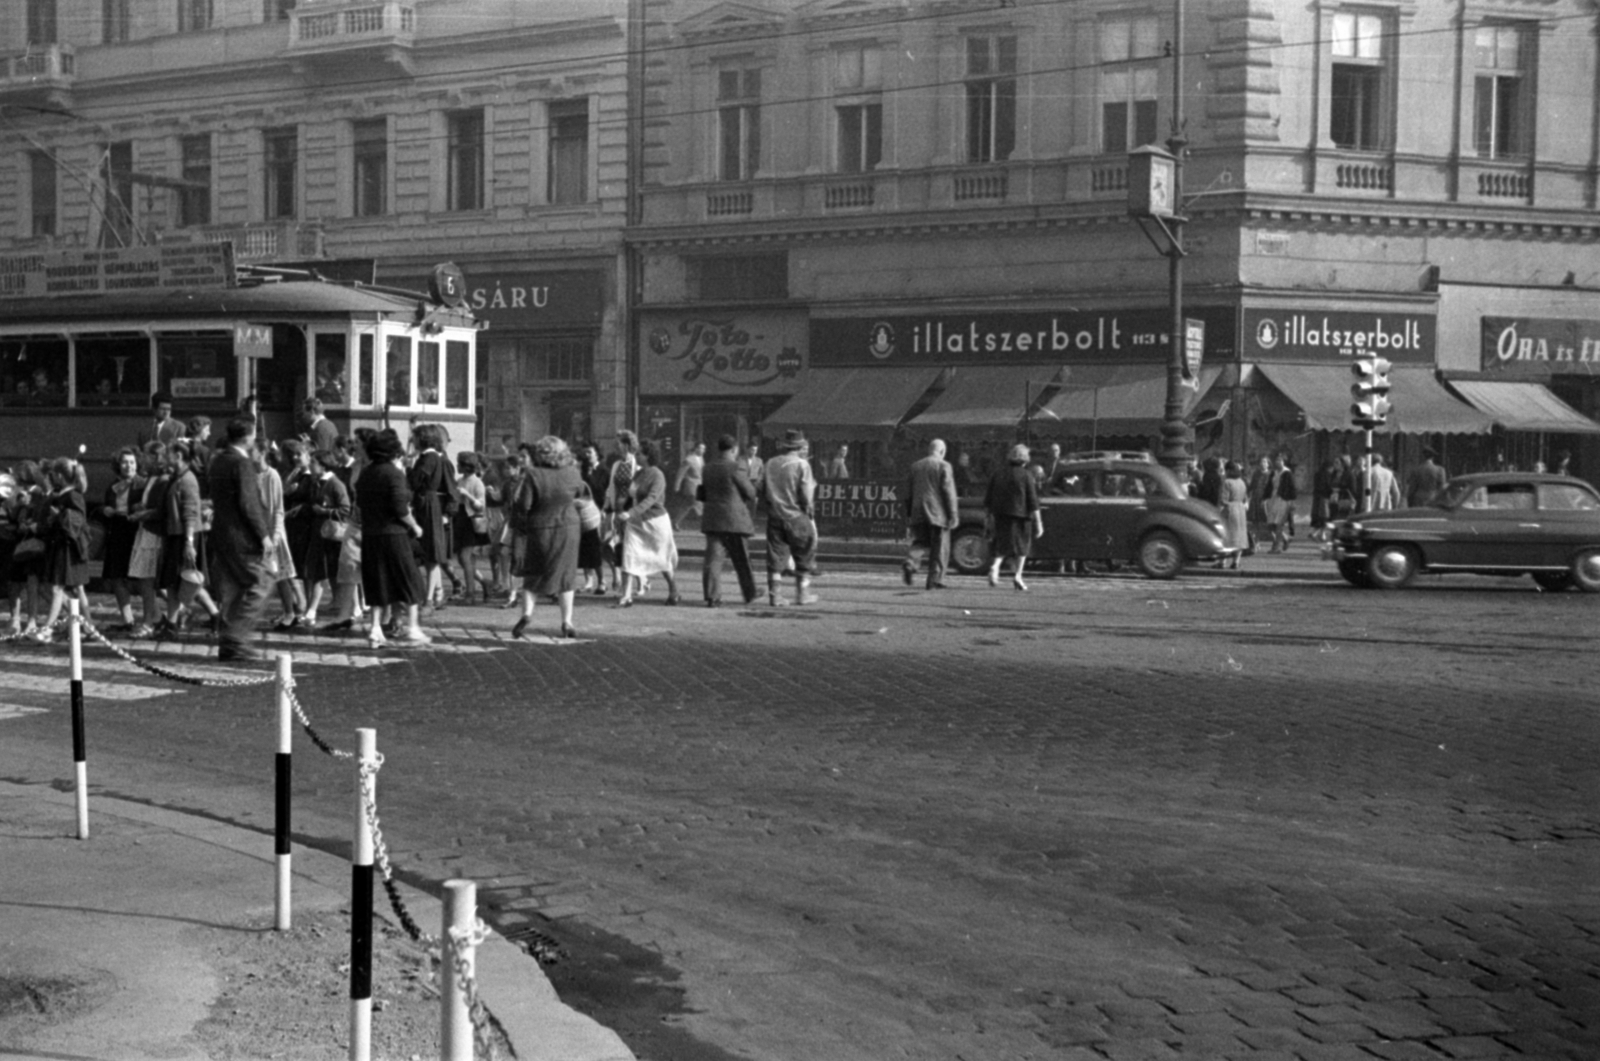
(1422, 406)
(1115, 400)
(850, 404)
(992, 398)
(1525, 406)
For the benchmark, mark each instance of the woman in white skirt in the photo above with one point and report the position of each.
(648, 547)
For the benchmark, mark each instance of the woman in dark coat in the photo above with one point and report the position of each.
(389, 572)
(65, 530)
(121, 500)
(330, 507)
(591, 546)
(543, 508)
(433, 495)
(1012, 504)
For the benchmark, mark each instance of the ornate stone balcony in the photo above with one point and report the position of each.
(339, 31)
(41, 76)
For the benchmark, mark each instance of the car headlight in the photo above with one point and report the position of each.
(1352, 527)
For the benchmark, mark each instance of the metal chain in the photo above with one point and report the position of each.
(172, 675)
(33, 630)
(479, 932)
(305, 724)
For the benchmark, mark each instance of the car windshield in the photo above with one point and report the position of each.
(1458, 492)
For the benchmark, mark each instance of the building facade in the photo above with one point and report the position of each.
(368, 140)
(880, 220)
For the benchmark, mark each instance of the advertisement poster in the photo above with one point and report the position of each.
(861, 508)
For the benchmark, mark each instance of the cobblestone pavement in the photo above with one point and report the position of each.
(1106, 819)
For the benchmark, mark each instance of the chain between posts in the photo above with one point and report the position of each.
(449, 950)
(172, 675)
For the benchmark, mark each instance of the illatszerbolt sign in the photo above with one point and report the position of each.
(1316, 335)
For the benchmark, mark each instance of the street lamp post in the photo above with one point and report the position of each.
(1155, 193)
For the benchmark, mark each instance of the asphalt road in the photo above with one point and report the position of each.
(1108, 818)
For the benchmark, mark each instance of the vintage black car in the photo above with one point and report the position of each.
(1115, 509)
(1498, 523)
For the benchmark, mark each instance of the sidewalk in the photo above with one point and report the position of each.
(112, 929)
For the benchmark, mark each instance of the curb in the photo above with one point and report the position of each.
(510, 981)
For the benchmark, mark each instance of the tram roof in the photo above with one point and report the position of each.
(288, 299)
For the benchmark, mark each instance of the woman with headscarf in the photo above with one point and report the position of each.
(1014, 516)
(544, 508)
(648, 547)
(389, 573)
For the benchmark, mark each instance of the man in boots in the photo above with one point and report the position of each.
(791, 534)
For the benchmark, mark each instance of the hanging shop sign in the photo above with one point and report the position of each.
(722, 353)
(75, 273)
(1538, 348)
(1020, 338)
(1332, 335)
(523, 301)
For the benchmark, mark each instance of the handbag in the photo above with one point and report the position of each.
(28, 549)
(333, 530)
(588, 513)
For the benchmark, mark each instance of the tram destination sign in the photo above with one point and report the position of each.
(73, 274)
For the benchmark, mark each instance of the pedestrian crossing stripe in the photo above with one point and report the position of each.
(19, 711)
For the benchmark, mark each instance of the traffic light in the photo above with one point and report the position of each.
(1370, 391)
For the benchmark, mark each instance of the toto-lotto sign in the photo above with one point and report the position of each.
(1319, 335)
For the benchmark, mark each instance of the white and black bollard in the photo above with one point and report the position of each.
(283, 774)
(361, 878)
(455, 1024)
(80, 757)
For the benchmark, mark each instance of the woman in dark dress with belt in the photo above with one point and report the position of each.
(1012, 504)
(543, 508)
(389, 572)
(121, 499)
(433, 495)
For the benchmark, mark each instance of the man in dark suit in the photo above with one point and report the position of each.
(932, 510)
(728, 496)
(239, 532)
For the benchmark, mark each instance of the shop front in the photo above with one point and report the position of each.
(1291, 393)
(981, 381)
(708, 373)
(1529, 358)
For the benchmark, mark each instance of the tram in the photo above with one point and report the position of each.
(88, 337)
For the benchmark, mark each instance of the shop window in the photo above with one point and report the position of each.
(991, 86)
(194, 15)
(398, 366)
(199, 369)
(33, 373)
(370, 166)
(738, 124)
(113, 370)
(1129, 74)
(457, 375)
(330, 362)
(114, 21)
(464, 160)
(364, 369)
(569, 152)
(739, 277)
(280, 160)
(1502, 97)
(116, 183)
(194, 200)
(42, 193)
(1359, 112)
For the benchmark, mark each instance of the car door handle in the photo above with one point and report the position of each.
(1534, 526)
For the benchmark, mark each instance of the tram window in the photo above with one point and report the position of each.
(398, 366)
(332, 379)
(33, 372)
(364, 370)
(281, 378)
(428, 373)
(457, 380)
(196, 369)
(113, 370)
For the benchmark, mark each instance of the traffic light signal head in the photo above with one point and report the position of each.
(1370, 391)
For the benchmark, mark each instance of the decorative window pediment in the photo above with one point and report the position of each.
(729, 21)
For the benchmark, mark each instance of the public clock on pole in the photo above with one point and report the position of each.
(1152, 182)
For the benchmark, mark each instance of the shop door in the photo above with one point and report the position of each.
(707, 423)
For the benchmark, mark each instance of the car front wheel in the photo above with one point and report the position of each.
(1355, 573)
(1586, 571)
(1392, 566)
(969, 553)
(1160, 555)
